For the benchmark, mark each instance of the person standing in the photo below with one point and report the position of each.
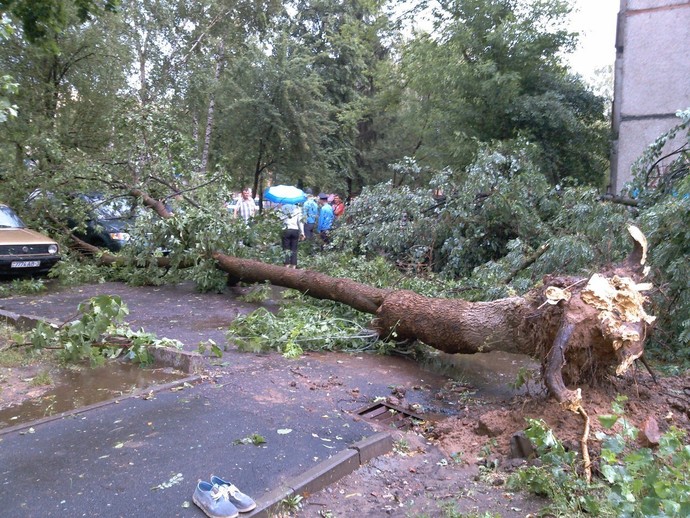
(338, 206)
(245, 207)
(293, 231)
(325, 218)
(311, 212)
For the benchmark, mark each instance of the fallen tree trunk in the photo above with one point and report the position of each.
(580, 329)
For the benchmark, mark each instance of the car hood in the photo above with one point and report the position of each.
(23, 236)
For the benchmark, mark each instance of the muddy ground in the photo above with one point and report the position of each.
(457, 457)
(461, 463)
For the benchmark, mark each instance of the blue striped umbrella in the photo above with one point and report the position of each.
(284, 194)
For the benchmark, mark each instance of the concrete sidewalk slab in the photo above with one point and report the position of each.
(142, 457)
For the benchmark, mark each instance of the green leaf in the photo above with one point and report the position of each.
(608, 420)
(216, 351)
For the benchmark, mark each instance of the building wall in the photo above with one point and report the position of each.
(652, 78)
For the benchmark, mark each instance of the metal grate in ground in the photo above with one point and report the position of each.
(387, 414)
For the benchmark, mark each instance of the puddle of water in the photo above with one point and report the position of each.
(74, 389)
(492, 374)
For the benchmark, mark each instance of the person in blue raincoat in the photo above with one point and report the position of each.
(326, 218)
(311, 212)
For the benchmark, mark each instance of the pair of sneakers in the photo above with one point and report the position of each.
(221, 499)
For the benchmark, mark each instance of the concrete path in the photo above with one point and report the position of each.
(142, 456)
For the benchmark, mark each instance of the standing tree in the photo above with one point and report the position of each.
(491, 71)
(43, 19)
(273, 114)
(346, 40)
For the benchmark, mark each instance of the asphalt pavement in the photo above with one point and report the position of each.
(273, 426)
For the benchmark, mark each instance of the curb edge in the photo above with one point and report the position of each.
(325, 473)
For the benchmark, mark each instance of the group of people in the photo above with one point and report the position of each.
(320, 213)
(315, 219)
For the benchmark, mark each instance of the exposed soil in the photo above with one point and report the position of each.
(462, 462)
(458, 459)
(17, 384)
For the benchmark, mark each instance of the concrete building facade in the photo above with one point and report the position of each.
(652, 78)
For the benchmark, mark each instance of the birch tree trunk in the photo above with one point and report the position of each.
(203, 168)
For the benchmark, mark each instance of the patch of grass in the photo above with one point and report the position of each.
(488, 447)
(12, 358)
(9, 336)
(49, 404)
(401, 447)
(291, 504)
(41, 379)
(22, 287)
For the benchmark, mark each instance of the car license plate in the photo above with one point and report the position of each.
(26, 264)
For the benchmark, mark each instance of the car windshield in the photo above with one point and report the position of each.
(117, 208)
(9, 219)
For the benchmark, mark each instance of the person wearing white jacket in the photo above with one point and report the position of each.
(293, 232)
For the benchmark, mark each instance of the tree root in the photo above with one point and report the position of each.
(649, 368)
(553, 375)
(584, 447)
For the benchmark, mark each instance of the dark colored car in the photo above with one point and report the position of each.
(23, 250)
(109, 221)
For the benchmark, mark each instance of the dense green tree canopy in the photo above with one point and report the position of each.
(41, 19)
(326, 94)
(492, 71)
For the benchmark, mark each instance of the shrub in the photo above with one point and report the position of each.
(634, 482)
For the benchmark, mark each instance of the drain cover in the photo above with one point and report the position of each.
(389, 415)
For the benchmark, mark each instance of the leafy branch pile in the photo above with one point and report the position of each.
(497, 228)
(301, 326)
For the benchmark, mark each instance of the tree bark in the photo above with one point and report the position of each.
(450, 325)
